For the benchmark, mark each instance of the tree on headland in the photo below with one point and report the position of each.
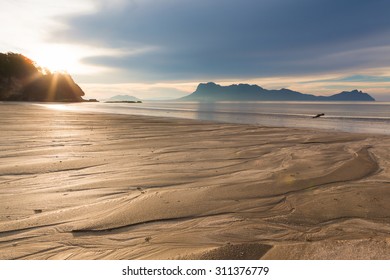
(16, 65)
(22, 80)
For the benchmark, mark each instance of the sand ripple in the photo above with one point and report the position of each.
(95, 186)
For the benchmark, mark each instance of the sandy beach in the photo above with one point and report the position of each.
(102, 186)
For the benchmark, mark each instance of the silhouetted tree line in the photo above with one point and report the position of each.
(22, 80)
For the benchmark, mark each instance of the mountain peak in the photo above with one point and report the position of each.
(353, 95)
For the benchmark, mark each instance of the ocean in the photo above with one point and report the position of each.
(357, 117)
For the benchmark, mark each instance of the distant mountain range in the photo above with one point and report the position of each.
(123, 98)
(209, 92)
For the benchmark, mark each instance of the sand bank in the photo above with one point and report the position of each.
(98, 186)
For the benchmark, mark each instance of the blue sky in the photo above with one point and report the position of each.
(164, 48)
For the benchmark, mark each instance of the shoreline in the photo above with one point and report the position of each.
(170, 113)
(82, 185)
(242, 113)
(309, 129)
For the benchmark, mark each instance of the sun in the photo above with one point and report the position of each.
(60, 58)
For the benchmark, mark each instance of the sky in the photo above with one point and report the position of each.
(161, 49)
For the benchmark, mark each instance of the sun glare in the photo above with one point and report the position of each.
(58, 107)
(60, 58)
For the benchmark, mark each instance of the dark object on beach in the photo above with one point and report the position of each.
(318, 115)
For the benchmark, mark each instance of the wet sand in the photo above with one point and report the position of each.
(101, 186)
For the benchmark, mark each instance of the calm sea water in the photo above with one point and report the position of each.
(361, 117)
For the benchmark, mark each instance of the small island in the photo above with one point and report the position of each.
(123, 99)
(22, 80)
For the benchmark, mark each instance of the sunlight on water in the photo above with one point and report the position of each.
(59, 107)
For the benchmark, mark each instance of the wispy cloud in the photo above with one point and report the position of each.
(236, 39)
